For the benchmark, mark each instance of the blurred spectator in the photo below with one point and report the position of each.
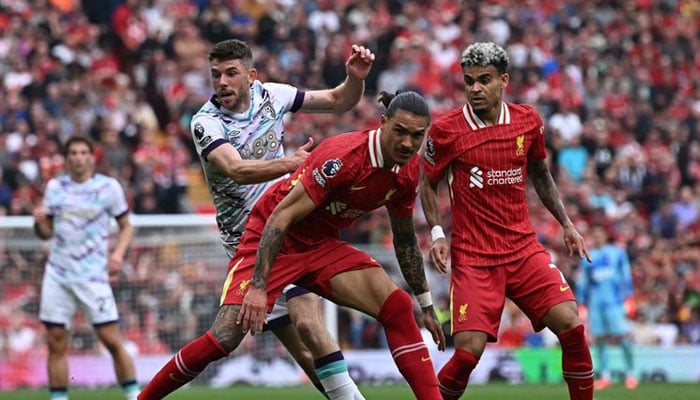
(620, 78)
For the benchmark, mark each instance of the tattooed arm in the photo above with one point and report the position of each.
(408, 254)
(547, 191)
(411, 263)
(295, 206)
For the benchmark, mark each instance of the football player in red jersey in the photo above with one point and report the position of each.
(295, 225)
(292, 236)
(487, 148)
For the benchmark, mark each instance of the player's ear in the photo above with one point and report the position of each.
(252, 75)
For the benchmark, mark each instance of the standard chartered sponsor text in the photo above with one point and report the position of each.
(504, 176)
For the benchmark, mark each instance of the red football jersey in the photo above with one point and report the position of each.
(486, 169)
(345, 178)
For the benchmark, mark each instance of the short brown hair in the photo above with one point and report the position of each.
(232, 49)
(78, 139)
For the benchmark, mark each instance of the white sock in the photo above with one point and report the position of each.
(341, 387)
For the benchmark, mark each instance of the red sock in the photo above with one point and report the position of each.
(454, 376)
(184, 366)
(407, 347)
(576, 364)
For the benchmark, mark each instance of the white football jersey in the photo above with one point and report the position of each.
(257, 134)
(82, 213)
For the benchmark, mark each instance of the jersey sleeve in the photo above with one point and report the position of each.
(51, 196)
(207, 133)
(289, 96)
(118, 205)
(537, 151)
(438, 154)
(326, 170)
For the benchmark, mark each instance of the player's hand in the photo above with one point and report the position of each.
(439, 254)
(253, 312)
(114, 263)
(40, 213)
(574, 243)
(359, 62)
(303, 152)
(431, 323)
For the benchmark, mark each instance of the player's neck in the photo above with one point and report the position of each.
(81, 178)
(489, 117)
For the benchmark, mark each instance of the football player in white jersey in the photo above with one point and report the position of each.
(238, 135)
(76, 211)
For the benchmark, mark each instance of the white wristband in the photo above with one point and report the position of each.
(424, 300)
(437, 233)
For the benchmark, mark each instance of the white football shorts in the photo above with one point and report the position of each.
(60, 302)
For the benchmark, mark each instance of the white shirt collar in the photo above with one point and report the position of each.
(476, 123)
(375, 151)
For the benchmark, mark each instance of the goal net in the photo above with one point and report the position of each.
(167, 292)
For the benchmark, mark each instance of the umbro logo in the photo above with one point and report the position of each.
(476, 177)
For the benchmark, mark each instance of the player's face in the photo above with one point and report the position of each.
(600, 237)
(80, 161)
(231, 80)
(484, 86)
(402, 136)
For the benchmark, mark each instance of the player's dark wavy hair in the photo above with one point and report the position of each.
(404, 100)
(78, 139)
(232, 49)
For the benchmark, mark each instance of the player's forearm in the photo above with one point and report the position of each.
(124, 239)
(429, 202)
(347, 94)
(547, 191)
(257, 171)
(270, 243)
(408, 254)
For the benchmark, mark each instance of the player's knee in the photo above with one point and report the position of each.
(57, 345)
(307, 327)
(562, 317)
(57, 341)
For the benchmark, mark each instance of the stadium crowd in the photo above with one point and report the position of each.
(618, 83)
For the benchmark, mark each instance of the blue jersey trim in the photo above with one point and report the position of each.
(212, 146)
(298, 101)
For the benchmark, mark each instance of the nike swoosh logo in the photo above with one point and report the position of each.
(356, 188)
(424, 359)
(564, 288)
(585, 387)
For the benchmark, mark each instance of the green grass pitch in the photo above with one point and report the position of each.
(651, 391)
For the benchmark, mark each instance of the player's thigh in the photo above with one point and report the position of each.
(279, 316)
(304, 307)
(362, 289)
(477, 298)
(57, 305)
(97, 300)
(536, 285)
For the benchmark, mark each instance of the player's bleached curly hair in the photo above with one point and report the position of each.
(483, 54)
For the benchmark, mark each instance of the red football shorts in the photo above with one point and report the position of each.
(311, 269)
(478, 294)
